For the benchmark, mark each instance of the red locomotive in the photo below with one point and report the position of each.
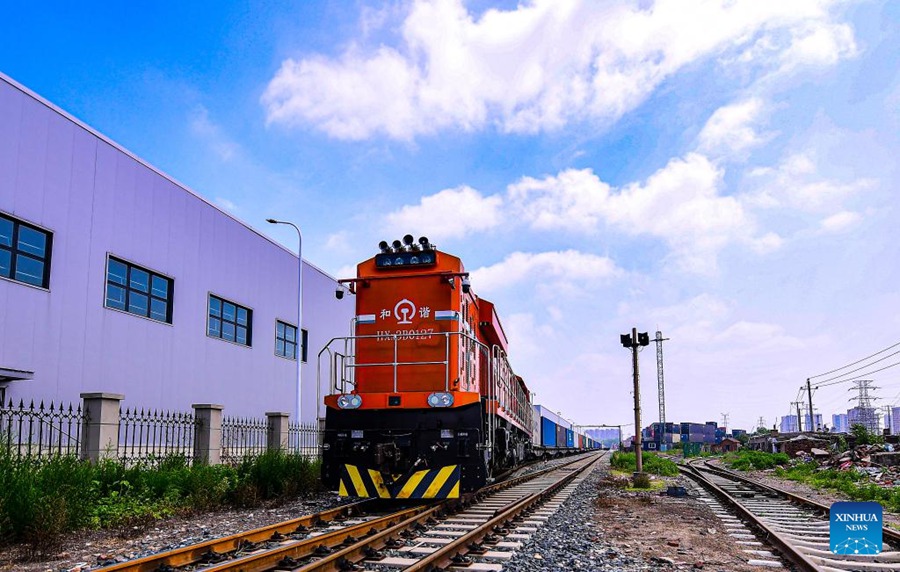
(424, 402)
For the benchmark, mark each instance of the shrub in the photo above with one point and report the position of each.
(652, 463)
(39, 501)
(747, 459)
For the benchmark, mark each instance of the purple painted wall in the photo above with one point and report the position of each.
(97, 200)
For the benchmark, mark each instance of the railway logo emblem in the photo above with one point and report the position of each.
(404, 311)
(855, 528)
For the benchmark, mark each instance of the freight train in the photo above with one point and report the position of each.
(423, 402)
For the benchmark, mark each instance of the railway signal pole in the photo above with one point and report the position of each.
(633, 342)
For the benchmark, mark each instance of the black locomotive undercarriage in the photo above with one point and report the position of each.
(399, 442)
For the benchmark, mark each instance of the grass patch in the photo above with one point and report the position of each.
(746, 459)
(40, 501)
(855, 485)
(652, 463)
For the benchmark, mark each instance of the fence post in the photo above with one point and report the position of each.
(277, 431)
(100, 428)
(207, 433)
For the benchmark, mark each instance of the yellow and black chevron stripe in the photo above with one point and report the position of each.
(440, 483)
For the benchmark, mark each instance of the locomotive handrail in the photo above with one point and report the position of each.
(349, 363)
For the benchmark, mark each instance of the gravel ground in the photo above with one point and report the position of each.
(603, 528)
(571, 540)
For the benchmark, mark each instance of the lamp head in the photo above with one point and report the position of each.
(271, 221)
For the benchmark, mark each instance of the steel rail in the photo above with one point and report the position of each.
(195, 553)
(780, 542)
(805, 556)
(253, 550)
(339, 561)
(446, 556)
(888, 533)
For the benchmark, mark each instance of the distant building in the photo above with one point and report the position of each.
(788, 424)
(895, 421)
(839, 423)
(816, 425)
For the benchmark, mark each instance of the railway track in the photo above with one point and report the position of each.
(478, 530)
(793, 526)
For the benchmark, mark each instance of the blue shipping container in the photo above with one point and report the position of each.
(570, 438)
(548, 432)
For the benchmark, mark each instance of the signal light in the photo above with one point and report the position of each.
(626, 340)
(644, 339)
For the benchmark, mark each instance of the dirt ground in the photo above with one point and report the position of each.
(654, 527)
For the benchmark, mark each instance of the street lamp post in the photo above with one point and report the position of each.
(299, 347)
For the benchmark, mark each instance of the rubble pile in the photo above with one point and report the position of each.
(879, 462)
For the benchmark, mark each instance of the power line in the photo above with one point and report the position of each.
(859, 368)
(856, 362)
(860, 375)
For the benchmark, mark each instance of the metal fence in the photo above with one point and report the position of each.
(305, 439)
(150, 436)
(243, 437)
(144, 436)
(29, 432)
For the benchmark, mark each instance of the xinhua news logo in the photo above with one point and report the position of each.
(856, 528)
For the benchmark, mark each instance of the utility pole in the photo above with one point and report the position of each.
(725, 417)
(633, 342)
(812, 419)
(660, 381)
(799, 422)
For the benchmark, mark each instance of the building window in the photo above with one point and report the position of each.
(24, 252)
(138, 291)
(285, 340)
(229, 321)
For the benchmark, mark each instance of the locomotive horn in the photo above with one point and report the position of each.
(398, 246)
(383, 245)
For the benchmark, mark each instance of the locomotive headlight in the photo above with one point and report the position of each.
(440, 399)
(349, 401)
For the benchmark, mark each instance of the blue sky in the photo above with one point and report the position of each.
(725, 172)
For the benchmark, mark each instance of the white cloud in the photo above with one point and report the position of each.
(202, 126)
(450, 213)
(556, 270)
(840, 221)
(797, 184)
(681, 204)
(339, 242)
(539, 66)
(731, 129)
(819, 45)
(226, 204)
